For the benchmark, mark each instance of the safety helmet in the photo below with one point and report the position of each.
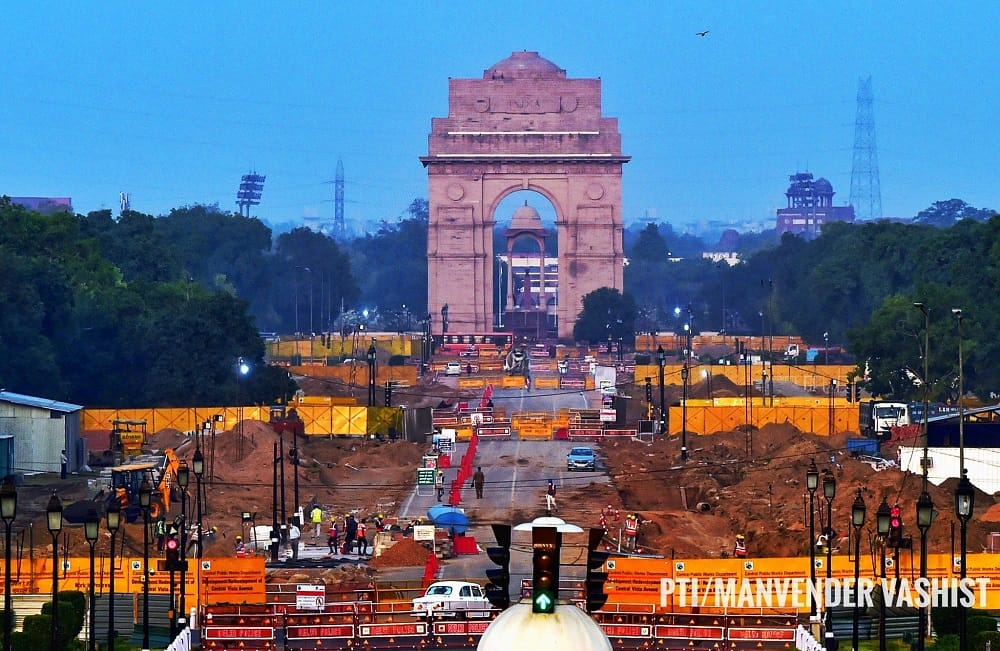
(215, 528)
(381, 515)
(239, 537)
(739, 536)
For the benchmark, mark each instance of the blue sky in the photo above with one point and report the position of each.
(173, 102)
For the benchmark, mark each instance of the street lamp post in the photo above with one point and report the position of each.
(661, 361)
(198, 468)
(829, 492)
(242, 369)
(826, 348)
(54, 516)
(91, 527)
(858, 521)
(183, 480)
(961, 394)
(812, 483)
(372, 359)
(113, 521)
(145, 499)
(8, 511)
(965, 496)
(964, 492)
(275, 531)
(684, 413)
(925, 514)
(926, 381)
(882, 523)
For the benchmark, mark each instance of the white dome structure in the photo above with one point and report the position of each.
(567, 629)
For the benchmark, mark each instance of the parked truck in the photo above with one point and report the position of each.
(876, 418)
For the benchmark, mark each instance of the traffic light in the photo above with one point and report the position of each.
(498, 589)
(595, 574)
(851, 388)
(545, 569)
(895, 526)
(388, 394)
(173, 546)
(649, 390)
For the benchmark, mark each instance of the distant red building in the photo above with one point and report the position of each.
(810, 205)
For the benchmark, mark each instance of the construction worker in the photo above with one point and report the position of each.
(293, 538)
(740, 548)
(630, 531)
(362, 537)
(316, 517)
(241, 549)
(439, 484)
(550, 498)
(160, 531)
(333, 536)
(350, 531)
(478, 479)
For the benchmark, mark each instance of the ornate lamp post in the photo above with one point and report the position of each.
(145, 499)
(883, 516)
(812, 483)
(54, 516)
(684, 413)
(113, 516)
(91, 527)
(858, 521)
(371, 374)
(8, 511)
(925, 514)
(183, 480)
(198, 467)
(829, 492)
(661, 361)
(965, 496)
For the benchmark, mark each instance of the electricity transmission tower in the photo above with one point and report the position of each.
(340, 229)
(866, 192)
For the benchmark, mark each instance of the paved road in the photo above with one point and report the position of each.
(517, 473)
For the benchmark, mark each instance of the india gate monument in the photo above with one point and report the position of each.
(523, 126)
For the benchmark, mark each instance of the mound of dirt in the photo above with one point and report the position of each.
(753, 482)
(404, 553)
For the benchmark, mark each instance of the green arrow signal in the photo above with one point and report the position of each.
(543, 602)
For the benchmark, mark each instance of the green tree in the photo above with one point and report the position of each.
(942, 214)
(392, 264)
(607, 314)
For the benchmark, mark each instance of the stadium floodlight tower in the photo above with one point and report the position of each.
(251, 188)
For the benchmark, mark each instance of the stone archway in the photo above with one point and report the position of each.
(523, 126)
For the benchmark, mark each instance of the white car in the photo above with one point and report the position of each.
(452, 368)
(450, 598)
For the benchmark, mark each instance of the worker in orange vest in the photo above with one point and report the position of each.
(740, 548)
(631, 530)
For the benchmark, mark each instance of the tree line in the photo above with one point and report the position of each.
(142, 310)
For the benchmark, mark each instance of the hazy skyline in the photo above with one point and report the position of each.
(173, 103)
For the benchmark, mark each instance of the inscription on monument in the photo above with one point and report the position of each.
(525, 104)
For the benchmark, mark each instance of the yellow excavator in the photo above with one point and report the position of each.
(126, 482)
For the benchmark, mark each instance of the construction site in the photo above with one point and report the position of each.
(691, 493)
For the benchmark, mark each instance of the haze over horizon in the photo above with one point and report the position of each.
(174, 103)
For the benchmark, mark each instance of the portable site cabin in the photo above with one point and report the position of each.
(34, 432)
